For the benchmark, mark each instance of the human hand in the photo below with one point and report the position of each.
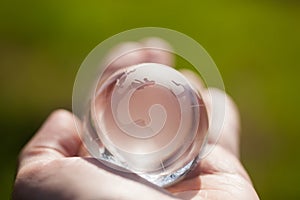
(52, 166)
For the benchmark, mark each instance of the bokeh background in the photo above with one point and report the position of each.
(256, 45)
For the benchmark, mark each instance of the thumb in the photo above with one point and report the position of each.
(57, 138)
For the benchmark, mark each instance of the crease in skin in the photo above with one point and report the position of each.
(42, 149)
(193, 184)
(232, 184)
(38, 154)
(212, 190)
(60, 146)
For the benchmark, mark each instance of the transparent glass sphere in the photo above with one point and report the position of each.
(147, 119)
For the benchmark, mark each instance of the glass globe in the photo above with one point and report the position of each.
(147, 119)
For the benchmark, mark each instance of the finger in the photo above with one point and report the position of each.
(132, 53)
(224, 118)
(57, 138)
(227, 133)
(158, 51)
(124, 55)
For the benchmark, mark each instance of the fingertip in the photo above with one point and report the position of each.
(156, 42)
(62, 117)
(124, 55)
(158, 51)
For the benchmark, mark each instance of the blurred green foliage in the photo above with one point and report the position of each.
(256, 45)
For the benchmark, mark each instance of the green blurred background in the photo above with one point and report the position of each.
(256, 45)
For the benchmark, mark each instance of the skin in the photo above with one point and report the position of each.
(53, 165)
